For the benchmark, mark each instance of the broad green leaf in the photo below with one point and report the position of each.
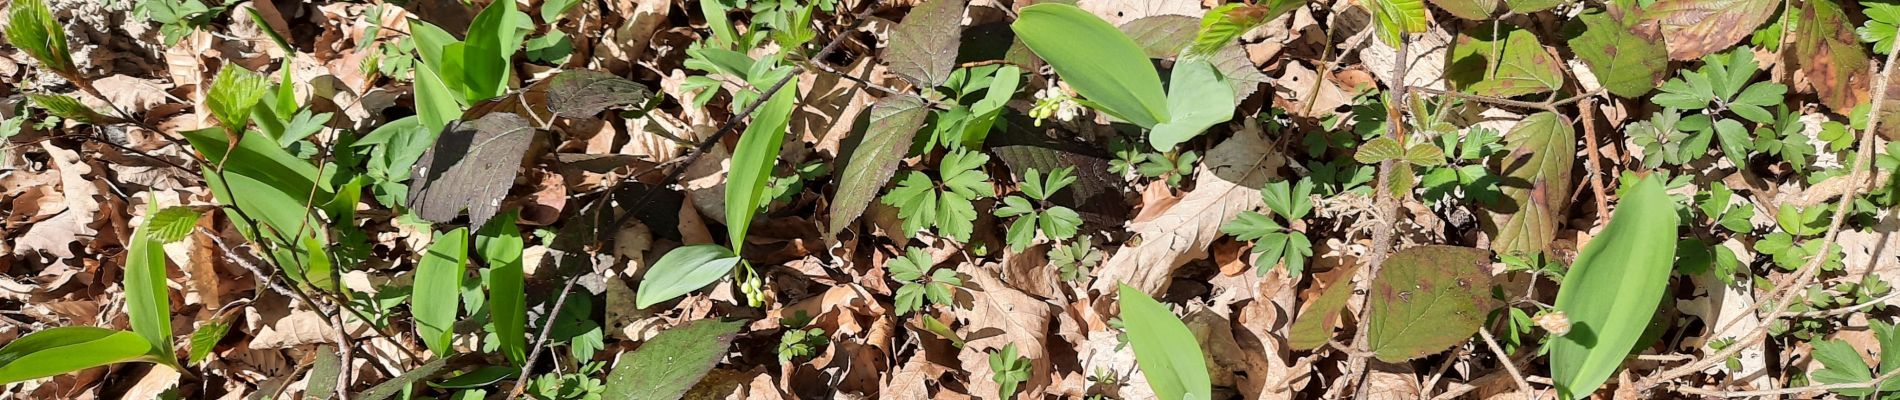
(493, 39)
(321, 381)
(584, 93)
(68, 349)
(436, 104)
(1314, 326)
(683, 270)
(753, 159)
(1198, 98)
(501, 246)
(923, 48)
(147, 305)
(1108, 69)
(1613, 289)
(1395, 18)
(205, 339)
(894, 124)
(1531, 6)
(1379, 150)
(1509, 63)
(171, 224)
(275, 184)
(667, 366)
(471, 167)
(1831, 56)
(1842, 365)
(1882, 17)
(31, 28)
(402, 383)
(1425, 155)
(1427, 299)
(235, 91)
(1628, 58)
(67, 107)
(1167, 352)
(1535, 180)
(1693, 28)
(437, 293)
(1476, 10)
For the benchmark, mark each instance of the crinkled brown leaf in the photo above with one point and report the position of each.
(1693, 28)
(471, 167)
(1829, 53)
(580, 93)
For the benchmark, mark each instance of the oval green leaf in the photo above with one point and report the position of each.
(683, 270)
(67, 349)
(1165, 349)
(1613, 289)
(667, 366)
(1107, 68)
(438, 289)
(501, 246)
(1427, 299)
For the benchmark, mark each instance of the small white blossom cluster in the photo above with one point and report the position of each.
(1054, 102)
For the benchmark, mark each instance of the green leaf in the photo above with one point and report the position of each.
(753, 159)
(894, 124)
(147, 305)
(68, 349)
(1507, 63)
(493, 39)
(552, 48)
(235, 91)
(1843, 365)
(501, 247)
(1535, 180)
(1314, 326)
(1197, 98)
(1427, 299)
(1531, 6)
(1476, 10)
(684, 270)
(1168, 353)
(67, 107)
(437, 292)
(206, 339)
(171, 224)
(921, 204)
(1627, 57)
(1379, 150)
(321, 381)
(1227, 22)
(31, 28)
(1397, 17)
(1882, 16)
(923, 48)
(1613, 289)
(1425, 155)
(436, 104)
(667, 366)
(1108, 69)
(1830, 56)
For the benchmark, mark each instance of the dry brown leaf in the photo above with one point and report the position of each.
(998, 316)
(1228, 183)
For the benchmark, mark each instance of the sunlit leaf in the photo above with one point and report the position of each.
(665, 367)
(1427, 299)
(1535, 179)
(1613, 289)
(894, 124)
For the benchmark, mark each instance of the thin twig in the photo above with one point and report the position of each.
(1588, 110)
(1509, 366)
(547, 327)
(1869, 384)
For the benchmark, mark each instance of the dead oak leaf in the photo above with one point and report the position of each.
(999, 316)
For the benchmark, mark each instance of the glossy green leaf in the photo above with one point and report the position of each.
(894, 124)
(1613, 289)
(487, 58)
(667, 366)
(753, 159)
(923, 48)
(1108, 70)
(501, 247)
(1535, 179)
(1197, 98)
(1508, 63)
(147, 305)
(1314, 326)
(1428, 299)
(31, 28)
(1168, 353)
(684, 270)
(1627, 57)
(68, 349)
(1395, 18)
(437, 294)
(436, 104)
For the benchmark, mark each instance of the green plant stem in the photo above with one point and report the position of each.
(1785, 293)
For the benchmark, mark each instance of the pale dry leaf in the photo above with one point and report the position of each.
(1227, 184)
(998, 316)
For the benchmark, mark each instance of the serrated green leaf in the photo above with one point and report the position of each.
(437, 296)
(1425, 155)
(235, 91)
(1221, 25)
(171, 224)
(1108, 70)
(67, 107)
(1628, 58)
(1168, 353)
(1427, 299)
(667, 366)
(1476, 10)
(1613, 289)
(923, 48)
(68, 349)
(205, 339)
(1535, 180)
(1842, 365)
(31, 28)
(1879, 29)
(1396, 18)
(894, 124)
(1379, 150)
(684, 270)
(1507, 63)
